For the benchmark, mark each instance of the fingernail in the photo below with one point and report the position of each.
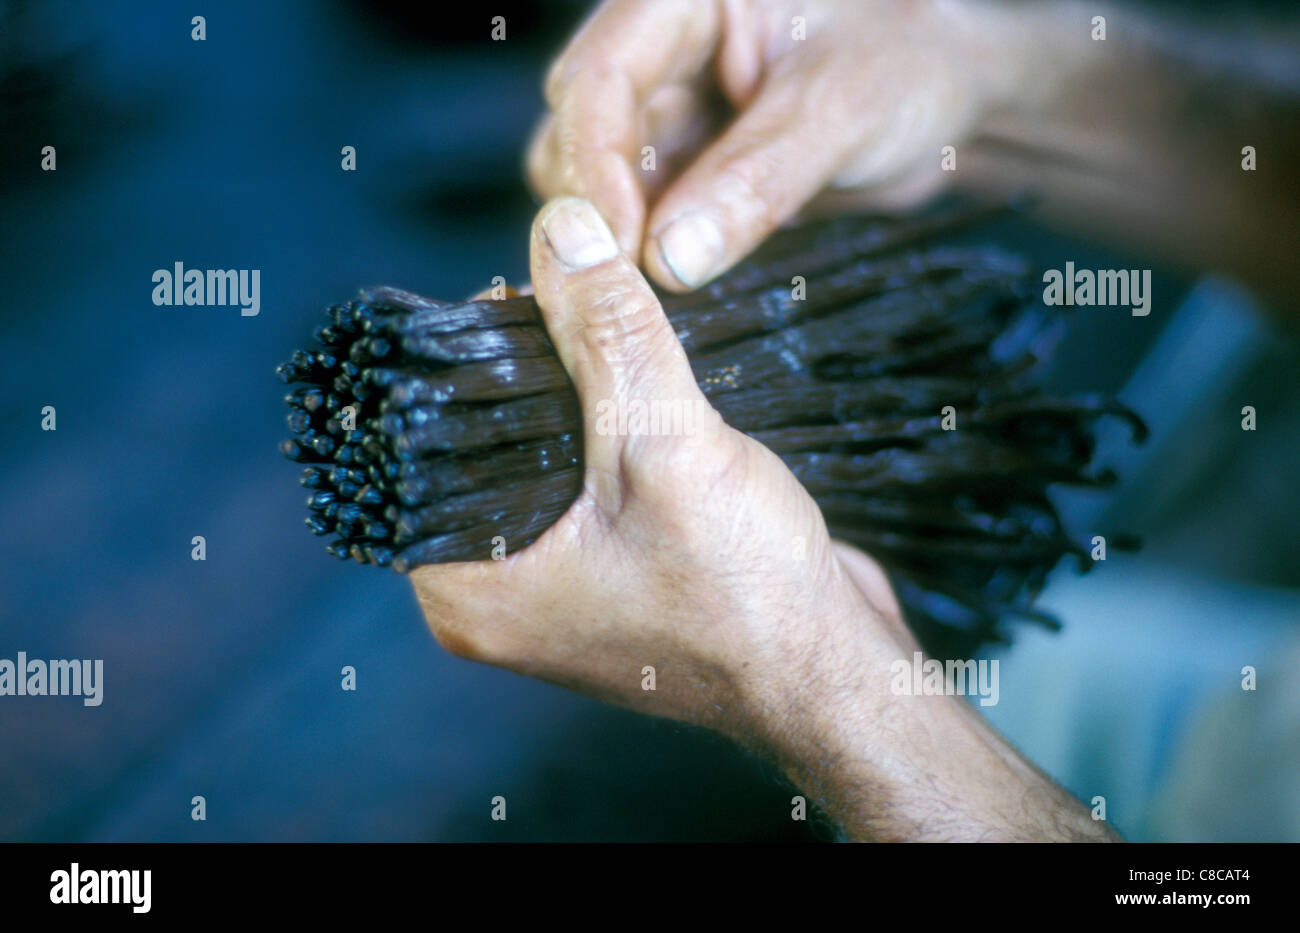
(692, 248)
(578, 234)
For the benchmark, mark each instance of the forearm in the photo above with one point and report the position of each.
(1139, 137)
(912, 768)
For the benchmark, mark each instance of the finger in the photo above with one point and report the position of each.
(539, 159)
(678, 121)
(596, 90)
(607, 326)
(616, 40)
(675, 122)
(738, 66)
(596, 144)
(774, 158)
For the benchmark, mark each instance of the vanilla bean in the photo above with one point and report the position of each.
(445, 431)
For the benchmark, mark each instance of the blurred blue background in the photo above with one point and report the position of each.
(222, 677)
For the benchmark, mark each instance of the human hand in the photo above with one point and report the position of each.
(697, 554)
(863, 106)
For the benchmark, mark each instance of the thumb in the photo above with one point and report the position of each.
(608, 327)
(773, 159)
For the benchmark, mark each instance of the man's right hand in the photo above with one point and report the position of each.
(857, 95)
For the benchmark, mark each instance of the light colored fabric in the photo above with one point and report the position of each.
(1139, 700)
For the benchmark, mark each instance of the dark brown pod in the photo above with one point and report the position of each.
(465, 432)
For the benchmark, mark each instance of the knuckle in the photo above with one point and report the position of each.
(628, 312)
(756, 189)
(537, 157)
(536, 173)
(654, 359)
(556, 78)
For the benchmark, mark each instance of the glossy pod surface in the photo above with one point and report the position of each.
(436, 431)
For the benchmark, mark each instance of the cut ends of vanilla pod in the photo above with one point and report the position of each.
(892, 368)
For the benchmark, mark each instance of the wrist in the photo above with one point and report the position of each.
(886, 767)
(830, 702)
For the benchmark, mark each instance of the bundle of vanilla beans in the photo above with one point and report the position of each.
(892, 373)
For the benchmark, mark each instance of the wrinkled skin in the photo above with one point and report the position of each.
(1135, 138)
(681, 552)
(863, 103)
(701, 556)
